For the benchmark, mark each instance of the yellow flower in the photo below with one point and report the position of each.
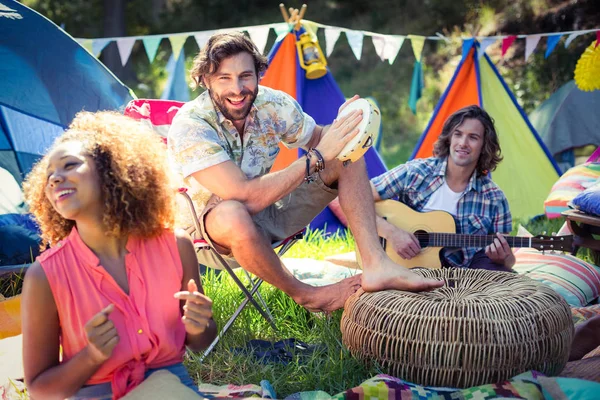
(587, 71)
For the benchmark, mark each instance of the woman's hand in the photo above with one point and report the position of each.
(102, 335)
(197, 309)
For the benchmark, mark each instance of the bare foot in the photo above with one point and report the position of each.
(331, 297)
(386, 274)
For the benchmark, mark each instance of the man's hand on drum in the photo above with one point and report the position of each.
(340, 132)
(404, 243)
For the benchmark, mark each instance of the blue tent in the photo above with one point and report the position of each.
(47, 77)
(320, 98)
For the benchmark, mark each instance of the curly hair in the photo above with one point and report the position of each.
(490, 152)
(136, 185)
(219, 47)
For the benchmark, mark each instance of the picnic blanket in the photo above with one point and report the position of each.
(530, 385)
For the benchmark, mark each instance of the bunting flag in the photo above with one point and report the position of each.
(281, 30)
(259, 36)
(98, 45)
(202, 38)
(355, 40)
(125, 45)
(388, 46)
(416, 86)
(87, 44)
(507, 42)
(570, 38)
(531, 43)
(177, 43)
(151, 46)
(331, 37)
(597, 38)
(551, 43)
(466, 46)
(418, 42)
(483, 46)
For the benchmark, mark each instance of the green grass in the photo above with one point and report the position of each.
(330, 367)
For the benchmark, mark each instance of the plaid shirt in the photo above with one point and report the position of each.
(482, 209)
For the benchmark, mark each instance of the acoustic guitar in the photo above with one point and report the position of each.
(436, 229)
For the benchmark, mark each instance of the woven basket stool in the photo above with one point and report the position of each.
(481, 327)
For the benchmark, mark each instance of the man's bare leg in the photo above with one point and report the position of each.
(230, 226)
(379, 271)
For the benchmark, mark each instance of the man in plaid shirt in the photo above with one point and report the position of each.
(455, 180)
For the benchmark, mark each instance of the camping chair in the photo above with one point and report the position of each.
(159, 115)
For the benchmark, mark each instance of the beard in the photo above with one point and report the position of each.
(227, 110)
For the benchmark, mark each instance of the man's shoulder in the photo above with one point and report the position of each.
(490, 188)
(272, 97)
(425, 165)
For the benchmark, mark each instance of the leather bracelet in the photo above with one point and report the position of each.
(308, 178)
(320, 159)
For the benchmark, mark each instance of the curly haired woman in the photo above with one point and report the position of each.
(117, 289)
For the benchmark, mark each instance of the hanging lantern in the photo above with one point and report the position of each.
(587, 71)
(311, 56)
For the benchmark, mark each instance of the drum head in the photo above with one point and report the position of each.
(368, 129)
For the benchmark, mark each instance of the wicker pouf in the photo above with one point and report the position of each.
(481, 327)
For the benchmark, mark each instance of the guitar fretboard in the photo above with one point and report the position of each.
(462, 240)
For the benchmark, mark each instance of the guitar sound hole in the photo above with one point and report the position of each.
(423, 238)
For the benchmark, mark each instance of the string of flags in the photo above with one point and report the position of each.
(386, 46)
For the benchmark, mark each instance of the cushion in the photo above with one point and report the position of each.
(588, 201)
(569, 185)
(10, 316)
(160, 385)
(577, 281)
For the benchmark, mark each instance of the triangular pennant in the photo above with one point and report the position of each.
(418, 42)
(551, 43)
(379, 44)
(466, 46)
(570, 38)
(312, 28)
(259, 35)
(98, 45)
(387, 46)
(483, 46)
(392, 47)
(125, 45)
(177, 44)
(151, 46)
(531, 43)
(202, 38)
(281, 30)
(87, 44)
(355, 40)
(331, 37)
(597, 38)
(507, 42)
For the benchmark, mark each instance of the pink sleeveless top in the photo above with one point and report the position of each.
(148, 320)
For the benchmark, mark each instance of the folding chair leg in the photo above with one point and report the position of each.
(250, 298)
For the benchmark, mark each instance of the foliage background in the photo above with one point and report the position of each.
(532, 81)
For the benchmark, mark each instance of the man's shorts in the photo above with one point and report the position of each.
(279, 221)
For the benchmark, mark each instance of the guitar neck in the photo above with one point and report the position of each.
(461, 240)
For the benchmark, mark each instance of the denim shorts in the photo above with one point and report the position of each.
(103, 391)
